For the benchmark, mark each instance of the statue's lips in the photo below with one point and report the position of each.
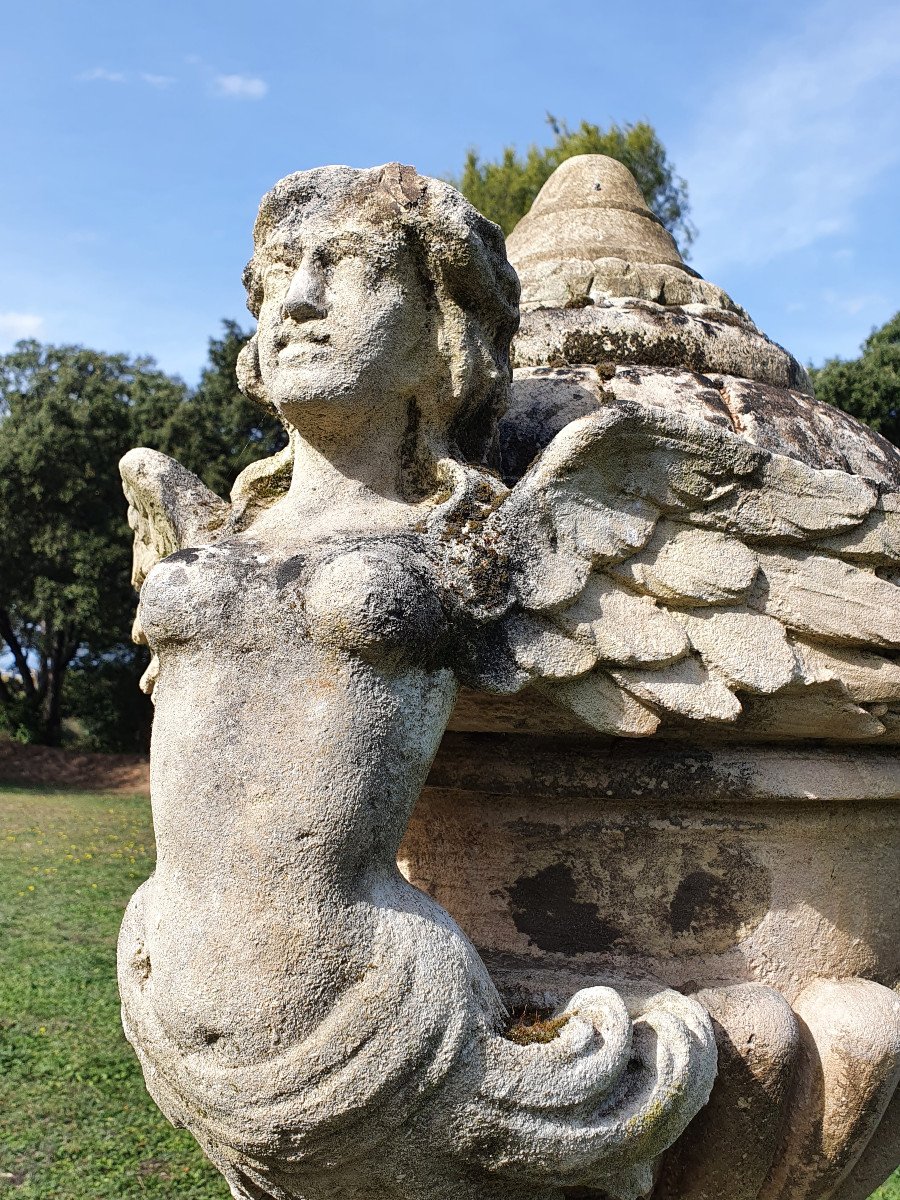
(304, 348)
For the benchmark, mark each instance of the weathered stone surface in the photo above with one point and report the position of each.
(697, 866)
(645, 334)
(789, 421)
(543, 399)
(751, 652)
(626, 629)
(879, 1159)
(848, 1071)
(590, 235)
(729, 1147)
(868, 678)
(821, 595)
(685, 549)
(591, 207)
(684, 564)
(322, 1027)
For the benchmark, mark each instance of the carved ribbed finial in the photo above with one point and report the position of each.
(590, 208)
(590, 236)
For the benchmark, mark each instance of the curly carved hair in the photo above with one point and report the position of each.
(461, 257)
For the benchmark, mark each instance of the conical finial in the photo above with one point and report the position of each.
(590, 237)
(602, 281)
(591, 208)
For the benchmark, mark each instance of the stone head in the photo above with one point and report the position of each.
(380, 286)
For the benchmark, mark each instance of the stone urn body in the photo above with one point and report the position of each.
(525, 763)
(761, 878)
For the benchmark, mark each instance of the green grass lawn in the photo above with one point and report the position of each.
(75, 1121)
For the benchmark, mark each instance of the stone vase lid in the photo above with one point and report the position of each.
(591, 208)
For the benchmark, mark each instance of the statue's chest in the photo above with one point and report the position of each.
(375, 598)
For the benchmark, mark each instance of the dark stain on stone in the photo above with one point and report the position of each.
(290, 570)
(588, 346)
(731, 892)
(183, 556)
(585, 1194)
(544, 907)
(697, 900)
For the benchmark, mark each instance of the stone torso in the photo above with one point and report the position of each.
(323, 649)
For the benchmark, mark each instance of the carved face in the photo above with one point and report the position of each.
(344, 319)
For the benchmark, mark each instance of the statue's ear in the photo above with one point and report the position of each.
(249, 376)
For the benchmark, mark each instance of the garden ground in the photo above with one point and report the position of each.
(75, 1121)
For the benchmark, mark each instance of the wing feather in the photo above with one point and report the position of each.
(827, 597)
(686, 689)
(625, 628)
(868, 678)
(750, 651)
(599, 701)
(695, 569)
(684, 564)
(820, 710)
(788, 500)
(169, 508)
(540, 648)
(876, 541)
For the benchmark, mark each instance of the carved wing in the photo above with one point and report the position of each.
(168, 508)
(664, 569)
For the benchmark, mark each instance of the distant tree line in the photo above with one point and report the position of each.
(67, 414)
(68, 670)
(867, 387)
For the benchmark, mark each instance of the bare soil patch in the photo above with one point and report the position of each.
(51, 767)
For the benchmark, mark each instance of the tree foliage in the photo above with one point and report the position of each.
(217, 431)
(505, 190)
(66, 417)
(67, 414)
(867, 387)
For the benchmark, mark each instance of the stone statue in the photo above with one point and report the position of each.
(578, 565)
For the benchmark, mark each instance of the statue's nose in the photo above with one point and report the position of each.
(305, 298)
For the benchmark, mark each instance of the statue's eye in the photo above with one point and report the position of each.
(277, 273)
(328, 258)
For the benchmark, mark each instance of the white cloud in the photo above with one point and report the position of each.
(796, 138)
(241, 87)
(16, 325)
(100, 74)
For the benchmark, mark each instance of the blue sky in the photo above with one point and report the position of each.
(138, 140)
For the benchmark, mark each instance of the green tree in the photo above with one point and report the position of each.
(867, 387)
(504, 190)
(217, 431)
(66, 416)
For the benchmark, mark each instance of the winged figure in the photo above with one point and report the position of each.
(322, 1027)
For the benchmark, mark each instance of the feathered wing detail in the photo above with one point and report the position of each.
(664, 569)
(169, 508)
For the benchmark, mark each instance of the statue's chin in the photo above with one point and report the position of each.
(297, 387)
